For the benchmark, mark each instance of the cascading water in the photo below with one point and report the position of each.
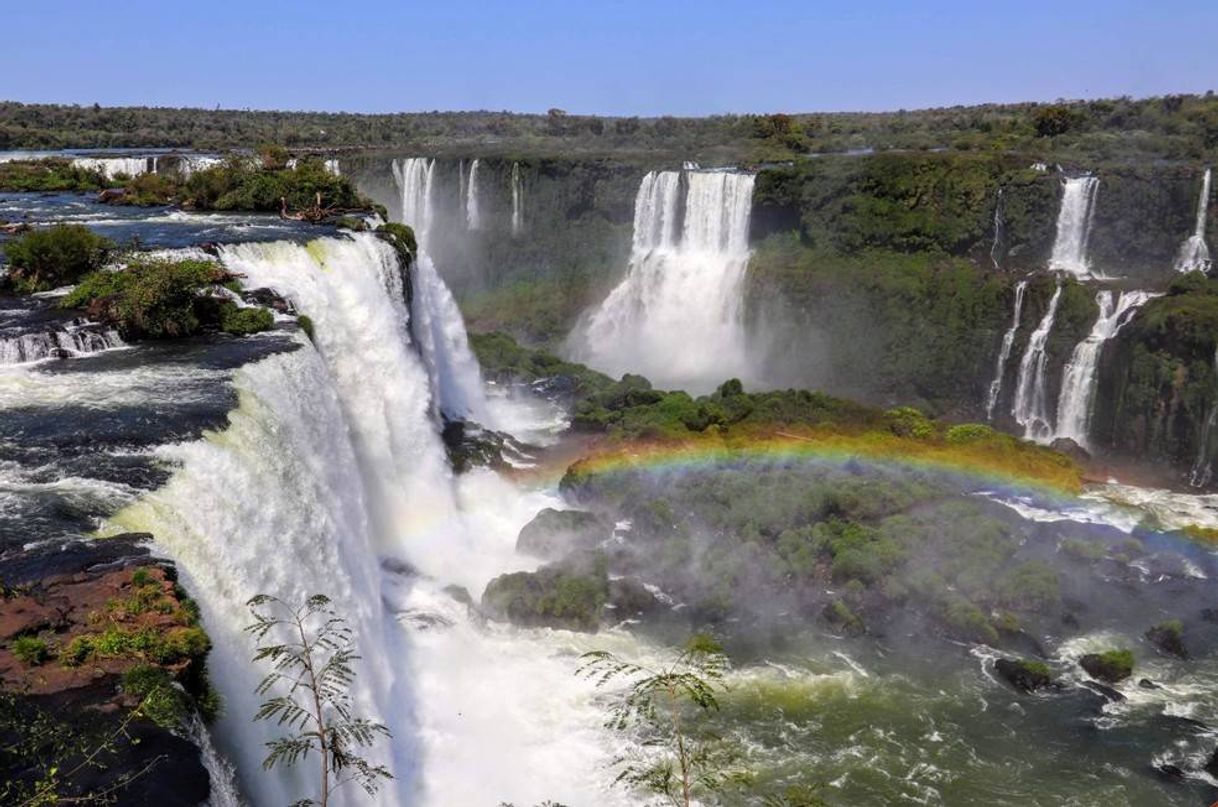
(193, 163)
(473, 217)
(1074, 219)
(1202, 472)
(517, 201)
(1030, 408)
(111, 167)
(331, 165)
(676, 317)
(414, 179)
(1194, 254)
(67, 342)
(1079, 376)
(1004, 353)
(1000, 232)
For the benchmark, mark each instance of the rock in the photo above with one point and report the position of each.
(1026, 676)
(268, 298)
(111, 195)
(552, 534)
(551, 597)
(1211, 766)
(1071, 449)
(1168, 637)
(1111, 667)
(1106, 691)
(630, 598)
(460, 594)
(1170, 771)
(1209, 614)
(1146, 683)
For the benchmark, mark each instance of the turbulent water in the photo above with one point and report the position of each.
(1194, 253)
(1004, 352)
(1030, 407)
(1079, 376)
(110, 167)
(677, 316)
(1074, 220)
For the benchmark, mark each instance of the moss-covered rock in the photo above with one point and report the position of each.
(1111, 666)
(552, 534)
(1169, 637)
(1024, 675)
(552, 597)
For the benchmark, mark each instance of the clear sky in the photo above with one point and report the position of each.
(634, 57)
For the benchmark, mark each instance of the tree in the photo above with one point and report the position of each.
(1052, 120)
(653, 703)
(312, 670)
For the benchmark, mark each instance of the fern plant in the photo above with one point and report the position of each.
(652, 703)
(311, 654)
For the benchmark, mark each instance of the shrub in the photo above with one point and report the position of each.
(402, 239)
(241, 321)
(143, 577)
(161, 701)
(30, 650)
(969, 433)
(306, 324)
(906, 421)
(46, 259)
(152, 297)
(1053, 120)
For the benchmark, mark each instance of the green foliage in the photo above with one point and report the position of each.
(143, 577)
(49, 175)
(150, 190)
(242, 321)
(29, 650)
(401, 237)
(552, 596)
(160, 700)
(306, 324)
(310, 649)
(1050, 121)
(906, 421)
(657, 702)
(44, 259)
(969, 433)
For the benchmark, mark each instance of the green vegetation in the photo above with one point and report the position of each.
(552, 596)
(306, 324)
(1111, 666)
(30, 650)
(163, 298)
(45, 259)
(49, 175)
(310, 651)
(402, 239)
(661, 703)
(159, 700)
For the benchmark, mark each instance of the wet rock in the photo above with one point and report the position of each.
(1209, 614)
(1146, 683)
(460, 594)
(630, 598)
(1071, 449)
(1168, 637)
(1170, 772)
(551, 597)
(111, 196)
(1104, 690)
(1111, 667)
(553, 534)
(1026, 676)
(268, 298)
(1211, 766)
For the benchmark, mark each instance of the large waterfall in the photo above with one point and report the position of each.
(473, 215)
(677, 316)
(1194, 254)
(331, 478)
(1004, 353)
(517, 201)
(1074, 219)
(414, 179)
(110, 167)
(1079, 376)
(1030, 409)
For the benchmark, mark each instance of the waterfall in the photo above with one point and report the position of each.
(1074, 220)
(1000, 232)
(414, 180)
(331, 165)
(110, 167)
(1203, 467)
(60, 343)
(1079, 376)
(1030, 408)
(1194, 254)
(1004, 353)
(192, 163)
(677, 316)
(437, 324)
(473, 218)
(517, 191)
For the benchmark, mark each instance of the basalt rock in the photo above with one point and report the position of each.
(553, 534)
(1071, 449)
(1111, 667)
(1026, 676)
(1168, 637)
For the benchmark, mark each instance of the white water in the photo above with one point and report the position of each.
(999, 232)
(70, 341)
(111, 167)
(517, 201)
(1029, 407)
(677, 316)
(473, 216)
(1074, 220)
(331, 165)
(1194, 254)
(1079, 375)
(1004, 353)
(414, 179)
(193, 163)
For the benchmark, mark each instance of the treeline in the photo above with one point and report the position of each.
(1175, 126)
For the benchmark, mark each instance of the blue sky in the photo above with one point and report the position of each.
(617, 58)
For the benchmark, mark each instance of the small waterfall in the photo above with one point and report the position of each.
(1004, 353)
(1030, 409)
(414, 179)
(331, 165)
(676, 317)
(1074, 220)
(1000, 232)
(193, 163)
(1194, 254)
(1079, 376)
(222, 776)
(1203, 467)
(65, 343)
(473, 217)
(110, 167)
(517, 201)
